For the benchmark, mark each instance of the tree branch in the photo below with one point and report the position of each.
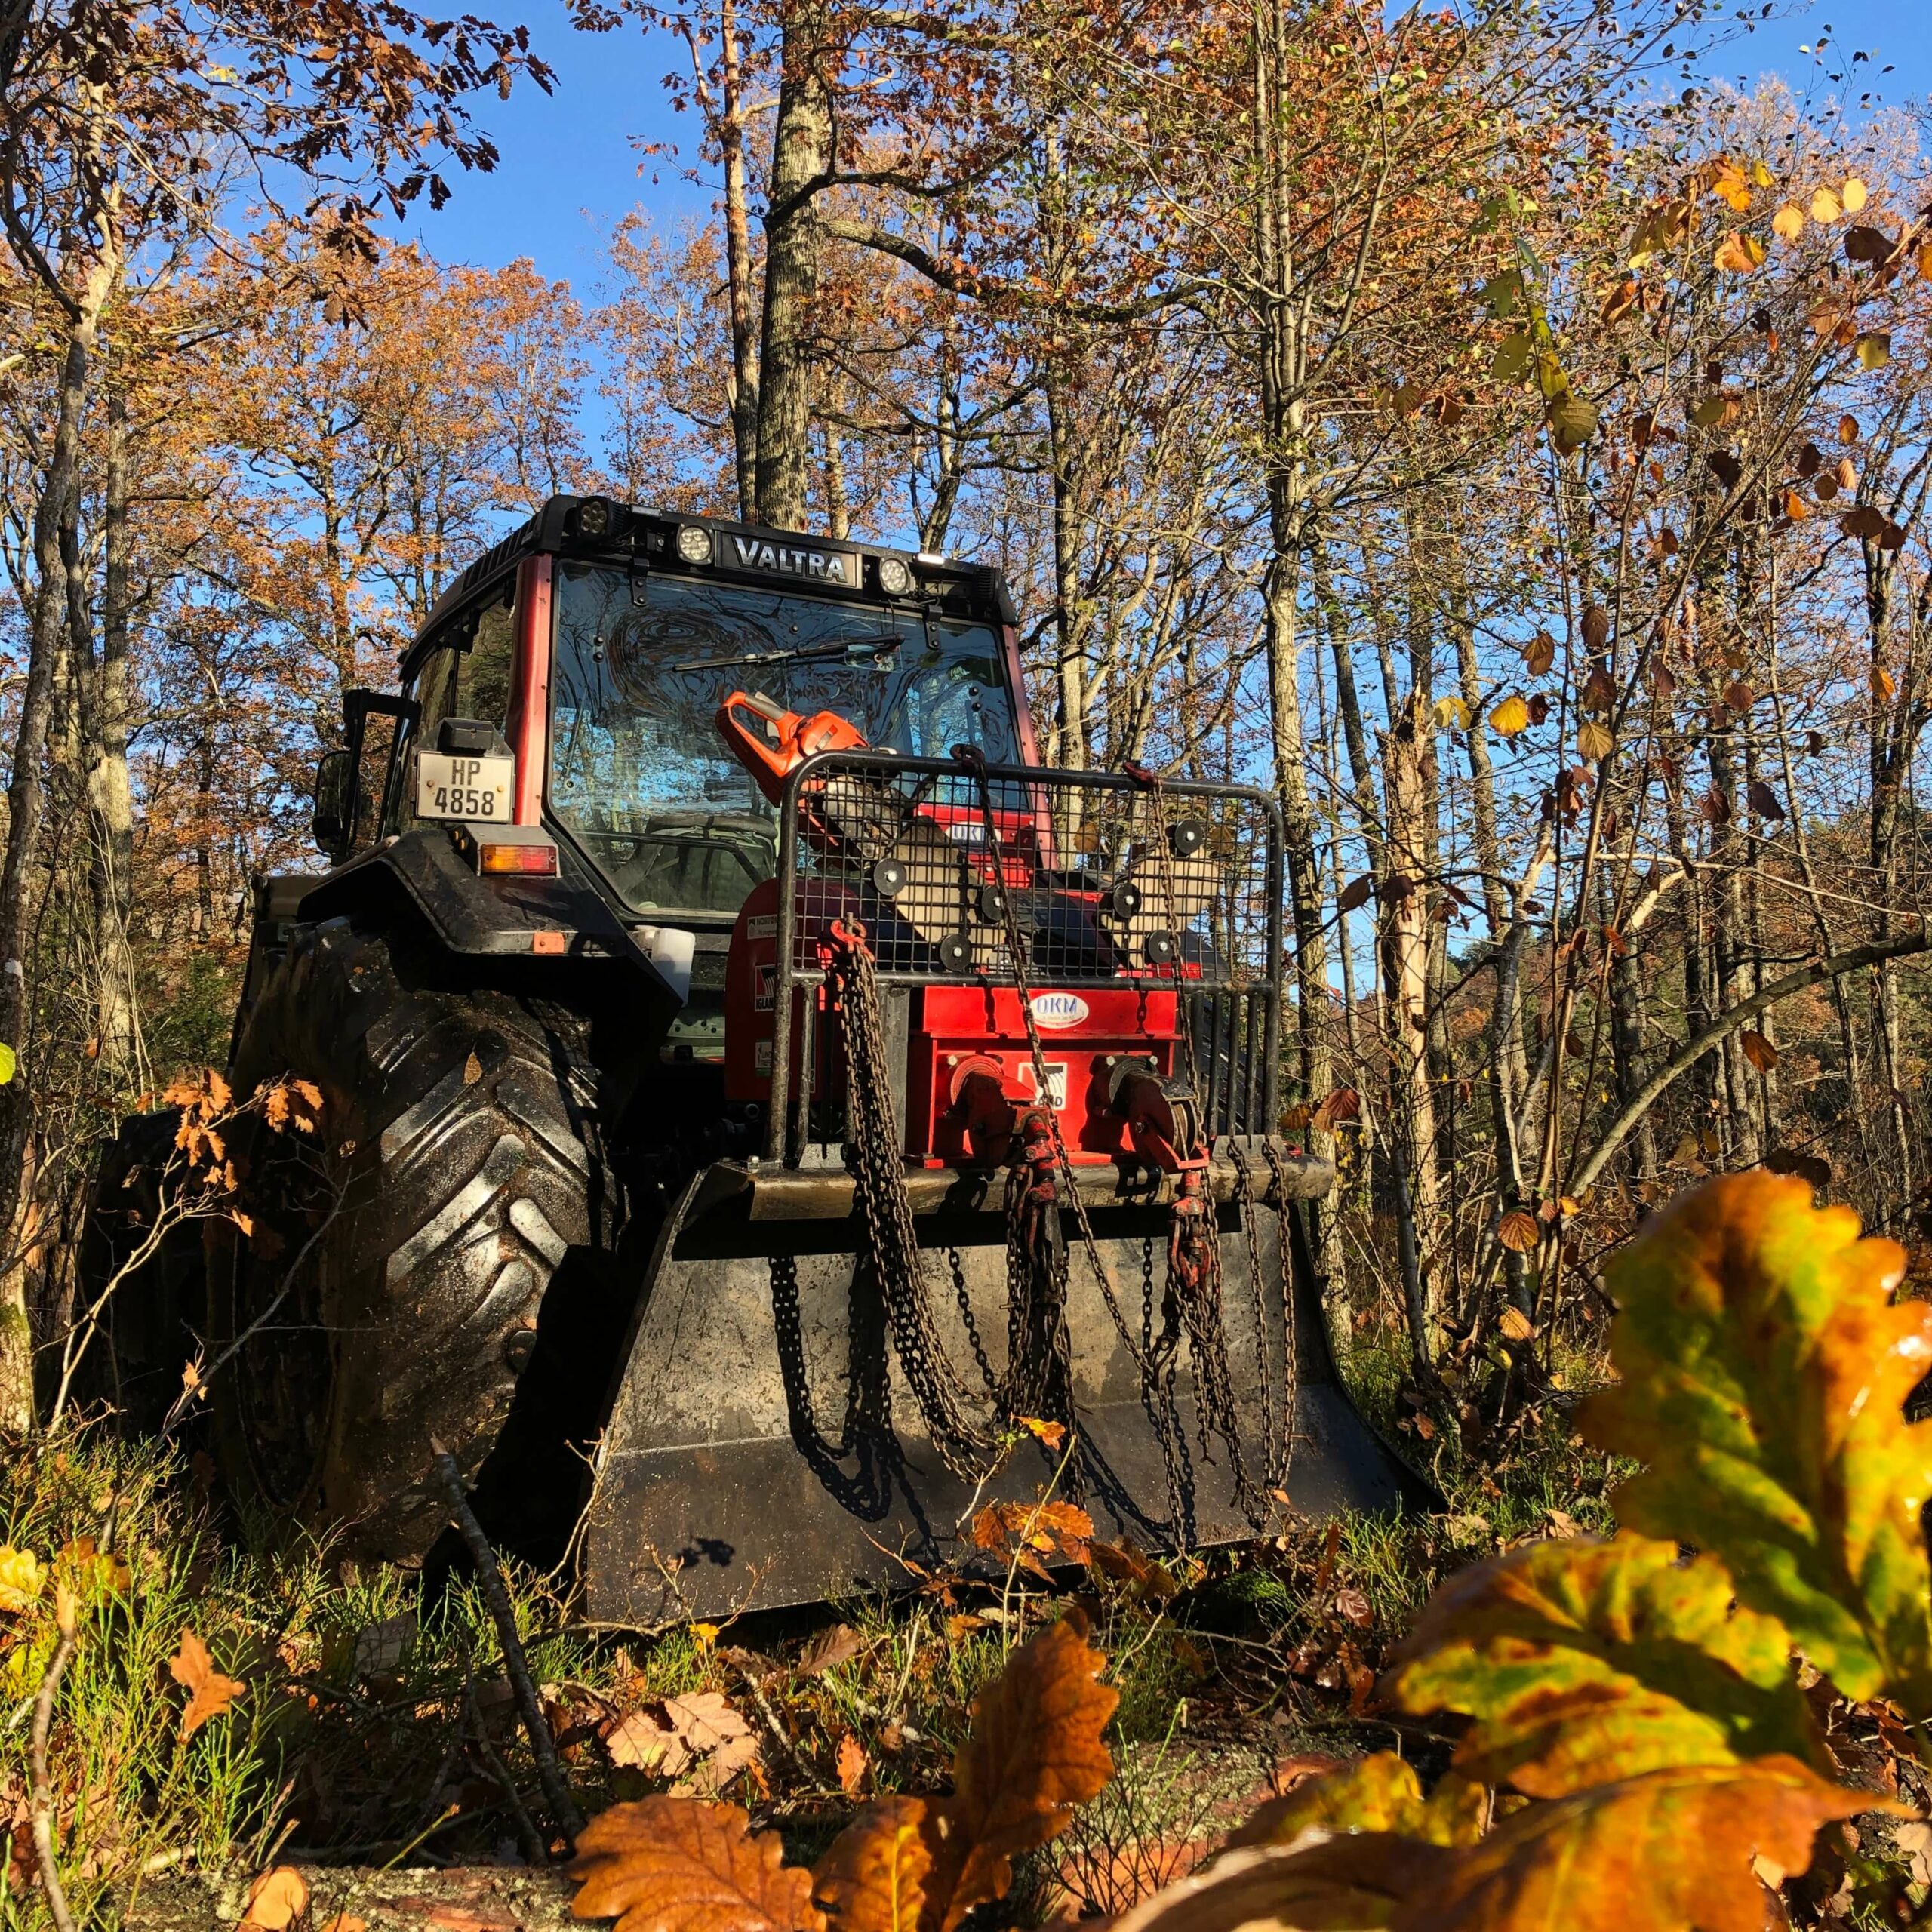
(1700, 1043)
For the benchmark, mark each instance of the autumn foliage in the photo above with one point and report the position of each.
(1636, 1743)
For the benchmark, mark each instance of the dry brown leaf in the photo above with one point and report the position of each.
(473, 1071)
(277, 1899)
(828, 1650)
(1518, 1231)
(209, 1692)
(1035, 1751)
(873, 1877)
(681, 1864)
(1539, 654)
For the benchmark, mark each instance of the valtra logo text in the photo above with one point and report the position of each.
(1057, 1011)
(834, 566)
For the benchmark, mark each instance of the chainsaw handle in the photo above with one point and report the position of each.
(798, 738)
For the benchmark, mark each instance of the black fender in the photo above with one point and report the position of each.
(555, 936)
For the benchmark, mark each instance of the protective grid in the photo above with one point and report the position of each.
(1101, 878)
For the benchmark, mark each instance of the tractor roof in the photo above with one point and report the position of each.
(599, 530)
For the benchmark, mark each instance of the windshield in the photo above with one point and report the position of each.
(638, 772)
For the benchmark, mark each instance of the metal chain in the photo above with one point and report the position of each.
(1291, 1394)
(1155, 1365)
(1194, 1244)
(1274, 1427)
(879, 1181)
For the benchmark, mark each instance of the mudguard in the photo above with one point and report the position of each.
(731, 1477)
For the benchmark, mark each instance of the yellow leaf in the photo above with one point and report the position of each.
(1764, 1369)
(1510, 716)
(1516, 1325)
(1826, 206)
(1875, 350)
(1761, 175)
(659, 1863)
(1789, 222)
(1452, 714)
(22, 1578)
(1511, 361)
(1739, 253)
(1851, 192)
(1518, 1231)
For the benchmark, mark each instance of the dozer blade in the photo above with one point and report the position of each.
(731, 1476)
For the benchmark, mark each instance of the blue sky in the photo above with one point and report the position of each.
(570, 169)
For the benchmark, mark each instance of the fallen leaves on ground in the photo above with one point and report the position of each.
(675, 1865)
(276, 1900)
(699, 1735)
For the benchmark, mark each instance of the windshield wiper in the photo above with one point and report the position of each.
(849, 648)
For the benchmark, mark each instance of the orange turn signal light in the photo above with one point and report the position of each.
(539, 860)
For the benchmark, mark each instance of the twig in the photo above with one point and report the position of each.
(64, 1614)
(528, 1834)
(563, 1807)
(784, 1744)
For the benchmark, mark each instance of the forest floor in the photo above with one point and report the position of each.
(370, 1741)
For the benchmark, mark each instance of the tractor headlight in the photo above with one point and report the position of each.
(895, 576)
(694, 544)
(596, 518)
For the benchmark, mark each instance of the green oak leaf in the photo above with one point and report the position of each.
(1764, 1369)
(1584, 1661)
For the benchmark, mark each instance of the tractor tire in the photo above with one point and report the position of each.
(387, 1297)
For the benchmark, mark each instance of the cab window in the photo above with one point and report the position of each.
(467, 675)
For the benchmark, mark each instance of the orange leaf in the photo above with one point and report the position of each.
(276, 1900)
(873, 1877)
(1672, 1849)
(1518, 1231)
(851, 1765)
(1035, 1752)
(209, 1692)
(1758, 1049)
(681, 1864)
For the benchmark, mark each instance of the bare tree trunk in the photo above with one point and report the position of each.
(26, 802)
(1405, 945)
(801, 163)
(109, 796)
(738, 269)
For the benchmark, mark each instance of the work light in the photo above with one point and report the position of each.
(694, 544)
(895, 576)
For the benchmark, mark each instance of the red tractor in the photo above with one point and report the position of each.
(767, 1114)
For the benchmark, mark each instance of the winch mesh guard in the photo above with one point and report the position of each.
(1176, 886)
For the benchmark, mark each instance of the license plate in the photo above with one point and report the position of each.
(466, 788)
